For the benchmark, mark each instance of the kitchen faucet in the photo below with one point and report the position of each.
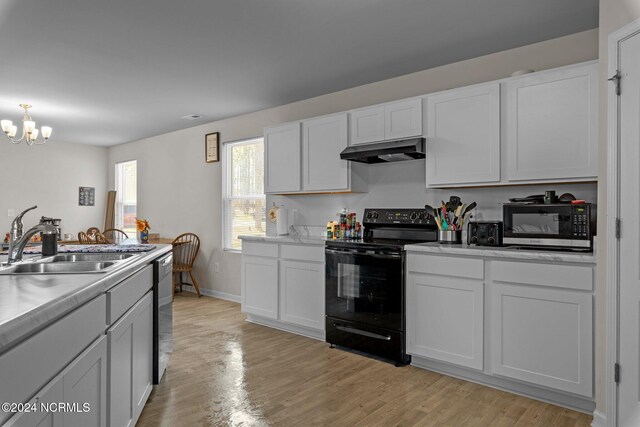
(18, 240)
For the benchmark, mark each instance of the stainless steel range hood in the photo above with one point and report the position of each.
(382, 152)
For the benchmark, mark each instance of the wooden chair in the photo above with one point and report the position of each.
(185, 250)
(91, 237)
(84, 239)
(114, 235)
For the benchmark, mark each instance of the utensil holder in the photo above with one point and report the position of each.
(450, 236)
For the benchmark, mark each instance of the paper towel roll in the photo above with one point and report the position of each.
(282, 221)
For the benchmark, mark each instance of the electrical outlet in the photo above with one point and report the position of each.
(216, 267)
(11, 213)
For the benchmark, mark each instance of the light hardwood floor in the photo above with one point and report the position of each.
(227, 372)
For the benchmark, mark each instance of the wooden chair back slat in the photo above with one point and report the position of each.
(114, 235)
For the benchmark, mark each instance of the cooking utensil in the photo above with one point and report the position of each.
(466, 212)
(454, 202)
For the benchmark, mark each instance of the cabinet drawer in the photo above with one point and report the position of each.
(561, 276)
(302, 252)
(260, 249)
(446, 266)
(24, 370)
(127, 293)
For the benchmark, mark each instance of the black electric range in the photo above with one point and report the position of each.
(365, 282)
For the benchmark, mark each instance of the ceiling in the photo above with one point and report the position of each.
(108, 72)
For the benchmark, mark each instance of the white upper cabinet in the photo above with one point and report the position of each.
(552, 121)
(282, 158)
(322, 141)
(463, 136)
(403, 119)
(367, 125)
(393, 120)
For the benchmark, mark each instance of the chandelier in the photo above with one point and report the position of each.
(29, 131)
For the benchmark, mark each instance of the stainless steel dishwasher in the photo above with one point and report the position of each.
(162, 315)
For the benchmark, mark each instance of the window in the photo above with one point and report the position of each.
(243, 191)
(126, 196)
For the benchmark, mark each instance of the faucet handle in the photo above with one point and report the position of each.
(16, 225)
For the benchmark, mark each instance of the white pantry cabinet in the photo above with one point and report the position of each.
(323, 139)
(131, 363)
(282, 158)
(540, 333)
(463, 136)
(552, 119)
(445, 312)
(302, 293)
(393, 120)
(283, 286)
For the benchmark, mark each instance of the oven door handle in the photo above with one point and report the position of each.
(356, 331)
(368, 253)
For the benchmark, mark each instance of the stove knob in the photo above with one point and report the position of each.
(474, 239)
(413, 216)
(422, 215)
(369, 215)
(491, 240)
(372, 215)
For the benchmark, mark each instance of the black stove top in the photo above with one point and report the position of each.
(392, 229)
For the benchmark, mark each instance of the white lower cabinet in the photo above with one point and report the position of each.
(523, 325)
(445, 319)
(283, 286)
(131, 363)
(82, 386)
(85, 382)
(259, 285)
(543, 336)
(302, 293)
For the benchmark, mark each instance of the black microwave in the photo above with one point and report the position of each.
(559, 226)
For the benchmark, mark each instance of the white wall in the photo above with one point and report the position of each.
(179, 192)
(614, 14)
(49, 176)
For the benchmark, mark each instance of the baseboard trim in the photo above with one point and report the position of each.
(575, 403)
(599, 419)
(212, 293)
(294, 329)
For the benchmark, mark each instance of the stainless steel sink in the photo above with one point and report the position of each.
(57, 268)
(95, 257)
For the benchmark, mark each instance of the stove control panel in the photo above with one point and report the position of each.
(381, 216)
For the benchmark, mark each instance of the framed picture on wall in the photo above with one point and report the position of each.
(212, 147)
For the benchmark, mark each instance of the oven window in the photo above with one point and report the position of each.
(365, 289)
(536, 223)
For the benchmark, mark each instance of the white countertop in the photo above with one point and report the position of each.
(30, 302)
(289, 238)
(503, 252)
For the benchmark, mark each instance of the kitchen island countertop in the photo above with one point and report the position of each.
(29, 302)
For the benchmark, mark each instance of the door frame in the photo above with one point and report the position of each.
(613, 212)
